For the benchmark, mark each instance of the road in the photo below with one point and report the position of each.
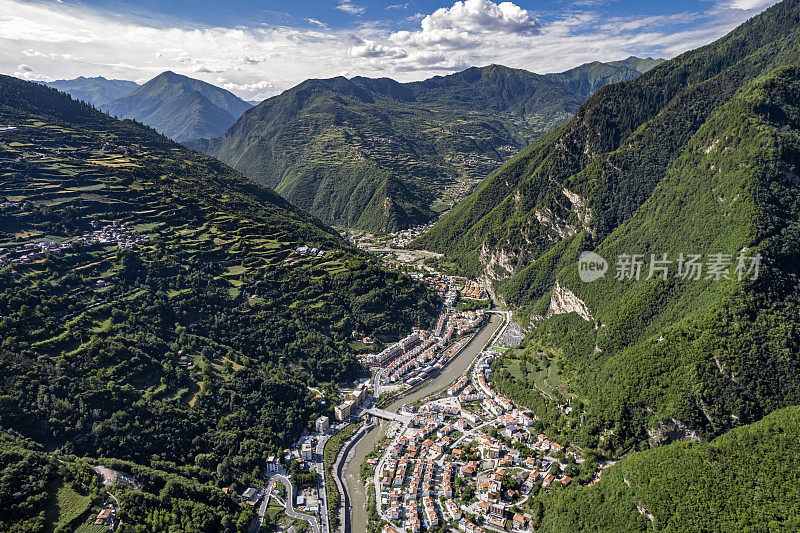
(344, 500)
(289, 507)
(456, 367)
(420, 254)
(376, 383)
(116, 510)
(290, 511)
(321, 491)
(474, 349)
(262, 510)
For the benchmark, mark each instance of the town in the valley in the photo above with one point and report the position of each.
(467, 458)
(463, 458)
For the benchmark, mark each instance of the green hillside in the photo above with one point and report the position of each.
(153, 307)
(41, 492)
(180, 107)
(380, 155)
(744, 480)
(697, 156)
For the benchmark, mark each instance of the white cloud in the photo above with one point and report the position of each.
(46, 41)
(30, 52)
(65, 42)
(432, 61)
(25, 72)
(467, 23)
(260, 89)
(750, 4)
(349, 7)
(369, 48)
(482, 16)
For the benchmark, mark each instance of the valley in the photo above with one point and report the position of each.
(239, 298)
(131, 261)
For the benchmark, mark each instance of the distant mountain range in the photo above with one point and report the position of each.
(180, 107)
(96, 90)
(380, 155)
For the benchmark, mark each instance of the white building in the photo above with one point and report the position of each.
(322, 424)
(307, 452)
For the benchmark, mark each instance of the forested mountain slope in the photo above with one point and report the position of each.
(697, 156)
(380, 155)
(744, 480)
(40, 490)
(152, 305)
(180, 107)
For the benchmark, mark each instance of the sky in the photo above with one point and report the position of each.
(257, 49)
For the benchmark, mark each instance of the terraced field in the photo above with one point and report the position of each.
(156, 305)
(64, 506)
(378, 155)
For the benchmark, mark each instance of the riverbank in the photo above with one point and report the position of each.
(457, 367)
(330, 454)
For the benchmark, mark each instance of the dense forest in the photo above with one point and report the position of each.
(45, 492)
(745, 480)
(157, 307)
(697, 156)
(609, 157)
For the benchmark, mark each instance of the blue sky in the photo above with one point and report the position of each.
(337, 15)
(258, 48)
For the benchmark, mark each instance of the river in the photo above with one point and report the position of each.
(456, 368)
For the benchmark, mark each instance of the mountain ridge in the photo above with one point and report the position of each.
(182, 108)
(693, 486)
(655, 165)
(157, 316)
(320, 142)
(95, 90)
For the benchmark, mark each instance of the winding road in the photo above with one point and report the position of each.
(290, 511)
(321, 489)
(289, 507)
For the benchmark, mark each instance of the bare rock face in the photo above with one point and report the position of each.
(643, 510)
(580, 208)
(553, 227)
(564, 301)
(498, 263)
(499, 266)
(672, 430)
